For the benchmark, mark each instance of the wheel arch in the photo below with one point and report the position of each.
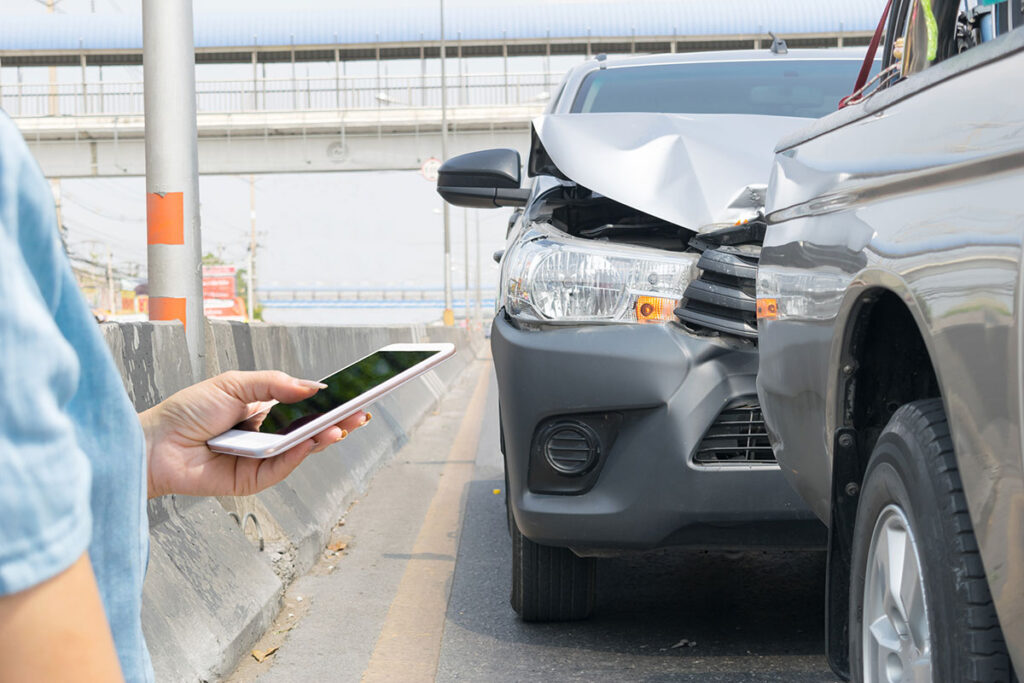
(881, 360)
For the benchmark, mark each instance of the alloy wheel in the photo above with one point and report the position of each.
(896, 637)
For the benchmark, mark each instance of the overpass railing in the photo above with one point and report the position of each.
(372, 297)
(285, 94)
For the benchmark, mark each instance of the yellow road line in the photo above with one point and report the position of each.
(410, 641)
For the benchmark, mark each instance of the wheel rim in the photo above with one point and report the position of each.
(895, 637)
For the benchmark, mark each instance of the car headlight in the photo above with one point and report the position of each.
(792, 294)
(549, 276)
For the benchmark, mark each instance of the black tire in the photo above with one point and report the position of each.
(510, 523)
(913, 470)
(550, 584)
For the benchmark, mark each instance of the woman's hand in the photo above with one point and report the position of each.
(177, 430)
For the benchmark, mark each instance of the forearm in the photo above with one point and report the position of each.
(57, 631)
(150, 422)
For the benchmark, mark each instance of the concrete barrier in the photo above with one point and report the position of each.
(218, 567)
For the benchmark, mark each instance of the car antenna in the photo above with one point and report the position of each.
(602, 58)
(778, 45)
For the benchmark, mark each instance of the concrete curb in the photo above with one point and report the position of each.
(211, 590)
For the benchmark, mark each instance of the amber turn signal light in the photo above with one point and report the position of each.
(767, 309)
(653, 309)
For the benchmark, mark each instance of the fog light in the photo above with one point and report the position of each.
(571, 448)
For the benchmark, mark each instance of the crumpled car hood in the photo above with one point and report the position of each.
(693, 170)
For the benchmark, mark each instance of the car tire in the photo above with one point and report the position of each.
(509, 521)
(912, 506)
(549, 583)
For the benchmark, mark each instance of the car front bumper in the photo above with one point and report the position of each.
(652, 392)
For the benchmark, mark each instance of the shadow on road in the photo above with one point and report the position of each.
(754, 616)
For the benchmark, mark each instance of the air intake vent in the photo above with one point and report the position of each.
(738, 437)
(571, 448)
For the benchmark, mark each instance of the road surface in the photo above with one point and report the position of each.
(414, 587)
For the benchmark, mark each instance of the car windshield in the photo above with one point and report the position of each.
(786, 87)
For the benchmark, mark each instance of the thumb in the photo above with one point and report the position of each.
(263, 385)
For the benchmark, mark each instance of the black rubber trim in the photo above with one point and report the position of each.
(717, 322)
(847, 468)
(728, 264)
(721, 295)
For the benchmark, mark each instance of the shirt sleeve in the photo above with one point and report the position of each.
(45, 519)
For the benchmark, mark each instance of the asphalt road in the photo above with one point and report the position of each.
(753, 616)
(749, 616)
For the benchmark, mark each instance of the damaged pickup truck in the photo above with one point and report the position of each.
(625, 337)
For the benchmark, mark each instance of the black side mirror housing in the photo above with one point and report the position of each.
(487, 179)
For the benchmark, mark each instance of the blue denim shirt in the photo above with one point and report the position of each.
(72, 456)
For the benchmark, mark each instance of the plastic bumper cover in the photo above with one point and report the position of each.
(668, 386)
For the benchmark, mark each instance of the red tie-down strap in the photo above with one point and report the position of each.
(869, 58)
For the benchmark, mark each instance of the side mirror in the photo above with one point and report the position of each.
(482, 180)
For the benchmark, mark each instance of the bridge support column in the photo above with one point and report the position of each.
(174, 250)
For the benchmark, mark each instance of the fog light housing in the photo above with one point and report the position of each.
(571, 448)
(567, 452)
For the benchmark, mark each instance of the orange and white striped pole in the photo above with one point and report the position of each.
(174, 249)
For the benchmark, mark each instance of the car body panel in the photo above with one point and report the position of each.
(917, 193)
(689, 169)
(669, 386)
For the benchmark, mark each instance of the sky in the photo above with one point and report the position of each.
(133, 6)
(370, 229)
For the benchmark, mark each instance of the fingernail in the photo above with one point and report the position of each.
(367, 417)
(309, 384)
(344, 433)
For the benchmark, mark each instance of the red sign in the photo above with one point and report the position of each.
(218, 282)
(232, 309)
(214, 271)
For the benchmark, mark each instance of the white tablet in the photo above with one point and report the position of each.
(348, 391)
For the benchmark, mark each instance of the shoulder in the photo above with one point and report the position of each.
(27, 212)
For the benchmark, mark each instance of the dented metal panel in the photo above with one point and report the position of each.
(692, 170)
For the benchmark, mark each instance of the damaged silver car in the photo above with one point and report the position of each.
(625, 337)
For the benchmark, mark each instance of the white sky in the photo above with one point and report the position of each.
(134, 6)
(369, 229)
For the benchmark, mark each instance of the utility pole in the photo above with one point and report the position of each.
(52, 99)
(58, 204)
(479, 301)
(111, 297)
(465, 232)
(449, 315)
(250, 293)
(172, 172)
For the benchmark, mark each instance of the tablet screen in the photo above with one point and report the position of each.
(342, 387)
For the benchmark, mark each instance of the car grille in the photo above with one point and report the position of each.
(723, 298)
(738, 436)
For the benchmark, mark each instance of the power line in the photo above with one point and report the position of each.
(97, 234)
(120, 217)
(102, 267)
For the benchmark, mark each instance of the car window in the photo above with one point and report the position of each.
(553, 104)
(786, 87)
